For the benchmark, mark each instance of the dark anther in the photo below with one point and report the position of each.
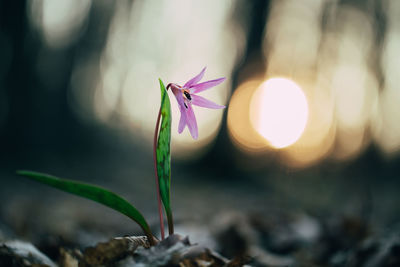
(187, 95)
(185, 105)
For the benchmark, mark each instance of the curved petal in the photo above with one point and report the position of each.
(182, 120)
(195, 79)
(197, 88)
(191, 122)
(205, 103)
(181, 103)
(178, 95)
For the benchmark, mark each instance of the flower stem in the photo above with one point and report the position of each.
(152, 240)
(170, 223)
(157, 184)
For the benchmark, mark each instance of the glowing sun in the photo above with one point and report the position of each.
(279, 111)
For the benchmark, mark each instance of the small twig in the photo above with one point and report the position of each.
(135, 241)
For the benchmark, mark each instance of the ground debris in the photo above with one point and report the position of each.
(69, 258)
(275, 239)
(109, 252)
(177, 251)
(19, 253)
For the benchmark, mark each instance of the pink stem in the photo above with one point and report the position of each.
(157, 184)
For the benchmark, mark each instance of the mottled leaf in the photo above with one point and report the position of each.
(164, 155)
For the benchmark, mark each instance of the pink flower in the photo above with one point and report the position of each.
(187, 96)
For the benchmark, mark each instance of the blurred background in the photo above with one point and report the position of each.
(311, 124)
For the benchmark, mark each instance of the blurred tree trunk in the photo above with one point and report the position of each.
(221, 157)
(39, 118)
(17, 78)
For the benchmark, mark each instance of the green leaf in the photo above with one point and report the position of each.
(164, 155)
(95, 193)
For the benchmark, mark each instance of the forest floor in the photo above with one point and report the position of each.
(281, 220)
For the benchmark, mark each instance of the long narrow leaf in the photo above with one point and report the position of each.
(94, 193)
(164, 155)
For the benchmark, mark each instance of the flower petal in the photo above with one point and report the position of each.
(181, 103)
(195, 79)
(178, 95)
(197, 88)
(182, 120)
(191, 122)
(205, 103)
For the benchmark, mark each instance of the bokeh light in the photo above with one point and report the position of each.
(134, 55)
(318, 138)
(61, 22)
(386, 127)
(347, 76)
(338, 71)
(279, 111)
(239, 126)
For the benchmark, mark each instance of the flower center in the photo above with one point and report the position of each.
(187, 95)
(187, 98)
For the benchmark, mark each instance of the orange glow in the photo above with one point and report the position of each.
(239, 127)
(279, 112)
(318, 139)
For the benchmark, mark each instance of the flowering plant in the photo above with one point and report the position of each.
(186, 96)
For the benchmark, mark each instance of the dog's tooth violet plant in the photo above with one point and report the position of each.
(186, 96)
